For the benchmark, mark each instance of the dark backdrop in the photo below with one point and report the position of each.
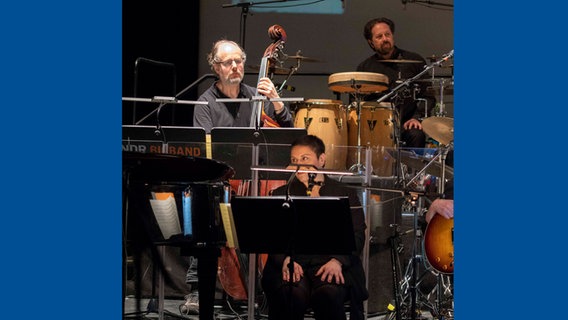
(159, 58)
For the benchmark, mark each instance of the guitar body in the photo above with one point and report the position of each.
(439, 244)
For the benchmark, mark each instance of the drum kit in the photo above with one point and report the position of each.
(348, 130)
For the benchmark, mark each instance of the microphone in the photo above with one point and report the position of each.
(311, 183)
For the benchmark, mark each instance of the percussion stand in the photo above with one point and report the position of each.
(441, 156)
(415, 200)
(441, 112)
(293, 69)
(358, 167)
(403, 84)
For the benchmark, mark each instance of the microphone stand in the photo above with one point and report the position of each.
(157, 110)
(150, 61)
(408, 81)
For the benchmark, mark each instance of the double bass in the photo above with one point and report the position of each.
(270, 56)
(232, 265)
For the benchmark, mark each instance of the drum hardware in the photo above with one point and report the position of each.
(420, 163)
(409, 300)
(400, 61)
(410, 278)
(441, 157)
(376, 122)
(358, 84)
(406, 83)
(276, 70)
(439, 86)
(301, 57)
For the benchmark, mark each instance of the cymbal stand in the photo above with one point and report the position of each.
(406, 288)
(293, 69)
(415, 256)
(440, 156)
(441, 112)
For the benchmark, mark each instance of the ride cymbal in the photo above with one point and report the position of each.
(271, 69)
(401, 61)
(303, 58)
(440, 129)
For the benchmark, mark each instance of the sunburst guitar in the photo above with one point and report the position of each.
(439, 244)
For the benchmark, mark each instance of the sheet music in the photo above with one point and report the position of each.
(229, 225)
(166, 215)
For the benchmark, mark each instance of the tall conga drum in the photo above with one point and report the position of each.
(377, 131)
(326, 119)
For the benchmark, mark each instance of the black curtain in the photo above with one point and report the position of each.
(163, 36)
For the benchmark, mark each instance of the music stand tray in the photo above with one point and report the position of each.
(303, 225)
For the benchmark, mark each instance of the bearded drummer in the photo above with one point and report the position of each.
(396, 64)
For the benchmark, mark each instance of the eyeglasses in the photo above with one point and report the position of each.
(229, 63)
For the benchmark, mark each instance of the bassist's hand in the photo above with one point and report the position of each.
(267, 89)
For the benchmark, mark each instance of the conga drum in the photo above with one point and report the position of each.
(325, 119)
(377, 131)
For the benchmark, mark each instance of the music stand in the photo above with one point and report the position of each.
(293, 225)
(298, 225)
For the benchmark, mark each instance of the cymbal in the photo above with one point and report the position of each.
(439, 128)
(358, 82)
(401, 61)
(303, 58)
(271, 69)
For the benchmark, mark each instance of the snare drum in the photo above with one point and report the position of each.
(377, 131)
(325, 119)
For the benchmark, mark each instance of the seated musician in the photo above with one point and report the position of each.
(379, 34)
(320, 282)
(227, 60)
